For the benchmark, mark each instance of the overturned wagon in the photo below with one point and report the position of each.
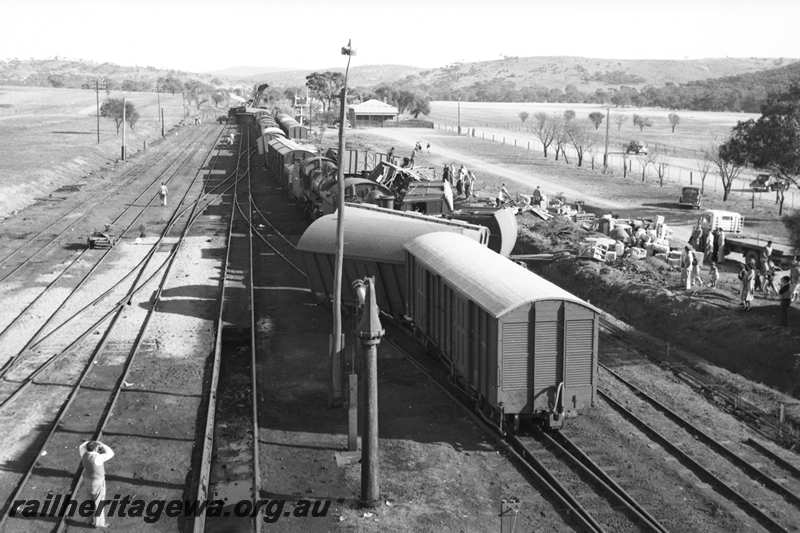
(519, 344)
(374, 240)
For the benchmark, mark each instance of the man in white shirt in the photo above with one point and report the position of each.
(94, 454)
(163, 194)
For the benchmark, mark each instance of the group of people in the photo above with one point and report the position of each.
(756, 274)
(462, 180)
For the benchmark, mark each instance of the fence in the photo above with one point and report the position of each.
(635, 165)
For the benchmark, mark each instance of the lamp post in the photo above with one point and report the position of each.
(336, 342)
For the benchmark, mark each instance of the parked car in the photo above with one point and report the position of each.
(765, 183)
(690, 197)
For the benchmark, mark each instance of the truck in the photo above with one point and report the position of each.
(732, 223)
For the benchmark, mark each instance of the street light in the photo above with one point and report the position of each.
(336, 341)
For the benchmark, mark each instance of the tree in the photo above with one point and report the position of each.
(730, 158)
(112, 108)
(561, 138)
(170, 84)
(674, 119)
(569, 114)
(704, 166)
(325, 86)
(619, 120)
(597, 118)
(420, 105)
(56, 80)
(404, 100)
(580, 138)
(545, 129)
(642, 122)
(218, 98)
(523, 116)
(773, 141)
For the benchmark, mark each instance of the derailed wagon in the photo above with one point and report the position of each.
(374, 240)
(520, 345)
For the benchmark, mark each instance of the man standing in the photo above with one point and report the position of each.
(785, 294)
(94, 454)
(163, 194)
(687, 260)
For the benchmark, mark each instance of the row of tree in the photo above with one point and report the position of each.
(702, 97)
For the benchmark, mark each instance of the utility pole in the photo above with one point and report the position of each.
(162, 122)
(370, 332)
(459, 115)
(335, 392)
(605, 152)
(97, 95)
(123, 127)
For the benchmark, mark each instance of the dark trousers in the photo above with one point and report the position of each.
(785, 311)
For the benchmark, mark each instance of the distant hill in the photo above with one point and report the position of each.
(359, 76)
(246, 71)
(58, 72)
(582, 73)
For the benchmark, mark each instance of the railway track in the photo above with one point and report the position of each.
(757, 418)
(588, 497)
(117, 353)
(678, 436)
(229, 464)
(44, 238)
(166, 175)
(21, 372)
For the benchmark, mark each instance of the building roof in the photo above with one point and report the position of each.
(378, 234)
(492, 281)
(373, 107)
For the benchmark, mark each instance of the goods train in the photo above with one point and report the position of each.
(310, 179)
(519, 345)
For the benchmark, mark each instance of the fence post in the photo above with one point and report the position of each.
(691, 178)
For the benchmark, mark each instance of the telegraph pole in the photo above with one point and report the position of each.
(459, 116)
(162, 121)
(123, 128)
(97, 95)
(605, 152)
(335, 393)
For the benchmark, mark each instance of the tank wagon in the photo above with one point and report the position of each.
(374, 240)
(291, 127)
(520, 345)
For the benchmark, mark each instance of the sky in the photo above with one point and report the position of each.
(203, 36)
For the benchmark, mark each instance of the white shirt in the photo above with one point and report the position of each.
(93, 462)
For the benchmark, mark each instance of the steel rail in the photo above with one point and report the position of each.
(786, 465)
(119, 304)
(78, 477)
(204, 476)
(5, 368)
(253, 352)
(567, 447)
(88, 366)
(133, 172)
(708, 440)
(531, 467)
(719, 485)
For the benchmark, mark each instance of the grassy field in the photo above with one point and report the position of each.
(49, 137)
(696, 130)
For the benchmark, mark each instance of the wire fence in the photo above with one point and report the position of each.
(674, 169)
